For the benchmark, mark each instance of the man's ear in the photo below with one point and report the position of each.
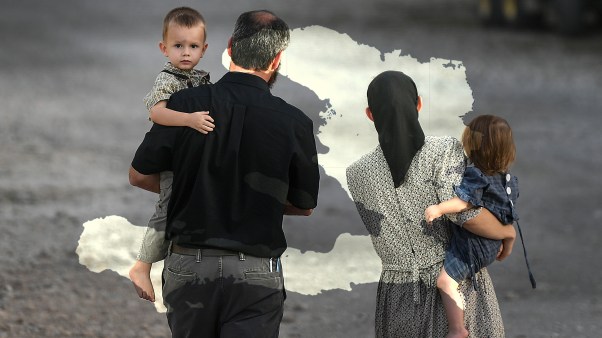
(419, 103)
(369, 114)
(163, 47)
(230, 47)
(276, 62)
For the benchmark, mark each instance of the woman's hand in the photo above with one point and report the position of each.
(505, 248)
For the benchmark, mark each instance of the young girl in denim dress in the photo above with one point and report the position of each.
(488, 143)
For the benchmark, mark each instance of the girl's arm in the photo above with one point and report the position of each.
(200, 121)
(450, 206)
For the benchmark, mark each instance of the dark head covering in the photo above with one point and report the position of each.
(392, 98)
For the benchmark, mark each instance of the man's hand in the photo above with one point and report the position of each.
(292, 210)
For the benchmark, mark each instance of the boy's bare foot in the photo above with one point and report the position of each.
(140, 277)
(463, 333)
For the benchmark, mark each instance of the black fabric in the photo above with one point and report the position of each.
(230, 186)
(392, 98)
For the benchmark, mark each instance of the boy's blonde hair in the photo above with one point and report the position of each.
(488, 143)
(185, 17)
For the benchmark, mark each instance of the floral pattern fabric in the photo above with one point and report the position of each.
(411, 251)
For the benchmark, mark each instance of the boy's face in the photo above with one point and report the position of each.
(184, 46)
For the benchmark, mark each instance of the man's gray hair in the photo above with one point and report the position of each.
(258, 37)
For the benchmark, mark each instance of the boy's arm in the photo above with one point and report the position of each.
(450, 206)
(201, 121)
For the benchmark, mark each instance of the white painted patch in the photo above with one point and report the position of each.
(338, 69)
(112, 243)
(351, 261)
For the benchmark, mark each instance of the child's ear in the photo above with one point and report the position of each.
(204, 49)
(163, 48)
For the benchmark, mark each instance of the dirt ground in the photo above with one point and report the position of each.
(72, 75)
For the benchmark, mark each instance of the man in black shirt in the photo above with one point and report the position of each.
(231, 187)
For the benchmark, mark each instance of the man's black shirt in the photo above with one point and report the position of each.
(230, 186)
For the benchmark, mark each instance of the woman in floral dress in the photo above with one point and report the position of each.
(391, 187)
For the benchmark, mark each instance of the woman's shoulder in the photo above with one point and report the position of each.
(371, 159)
(438, 141)
(439, 145)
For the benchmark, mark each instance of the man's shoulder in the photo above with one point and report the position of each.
(198, 92)
(291, 111)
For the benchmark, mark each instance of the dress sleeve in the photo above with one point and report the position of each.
(448, 170)
(472, 186)
(448, 174)
(165, 85)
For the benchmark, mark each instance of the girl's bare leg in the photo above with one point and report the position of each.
(454, 308)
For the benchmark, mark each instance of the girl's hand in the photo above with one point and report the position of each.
(201, 121)
(431, 213)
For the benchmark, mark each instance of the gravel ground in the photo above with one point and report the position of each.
(72, 74)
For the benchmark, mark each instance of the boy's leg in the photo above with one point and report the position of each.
(154, 246)
(453, 303)
(153, 249)
(140, 277)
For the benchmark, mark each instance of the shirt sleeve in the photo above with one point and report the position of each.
(165, 85)
(304, 174)
(472, 186)
(154, 154)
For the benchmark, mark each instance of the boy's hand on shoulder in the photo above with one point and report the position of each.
(201, 121)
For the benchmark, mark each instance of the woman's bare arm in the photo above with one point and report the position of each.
(488, 226)
(485, 224)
